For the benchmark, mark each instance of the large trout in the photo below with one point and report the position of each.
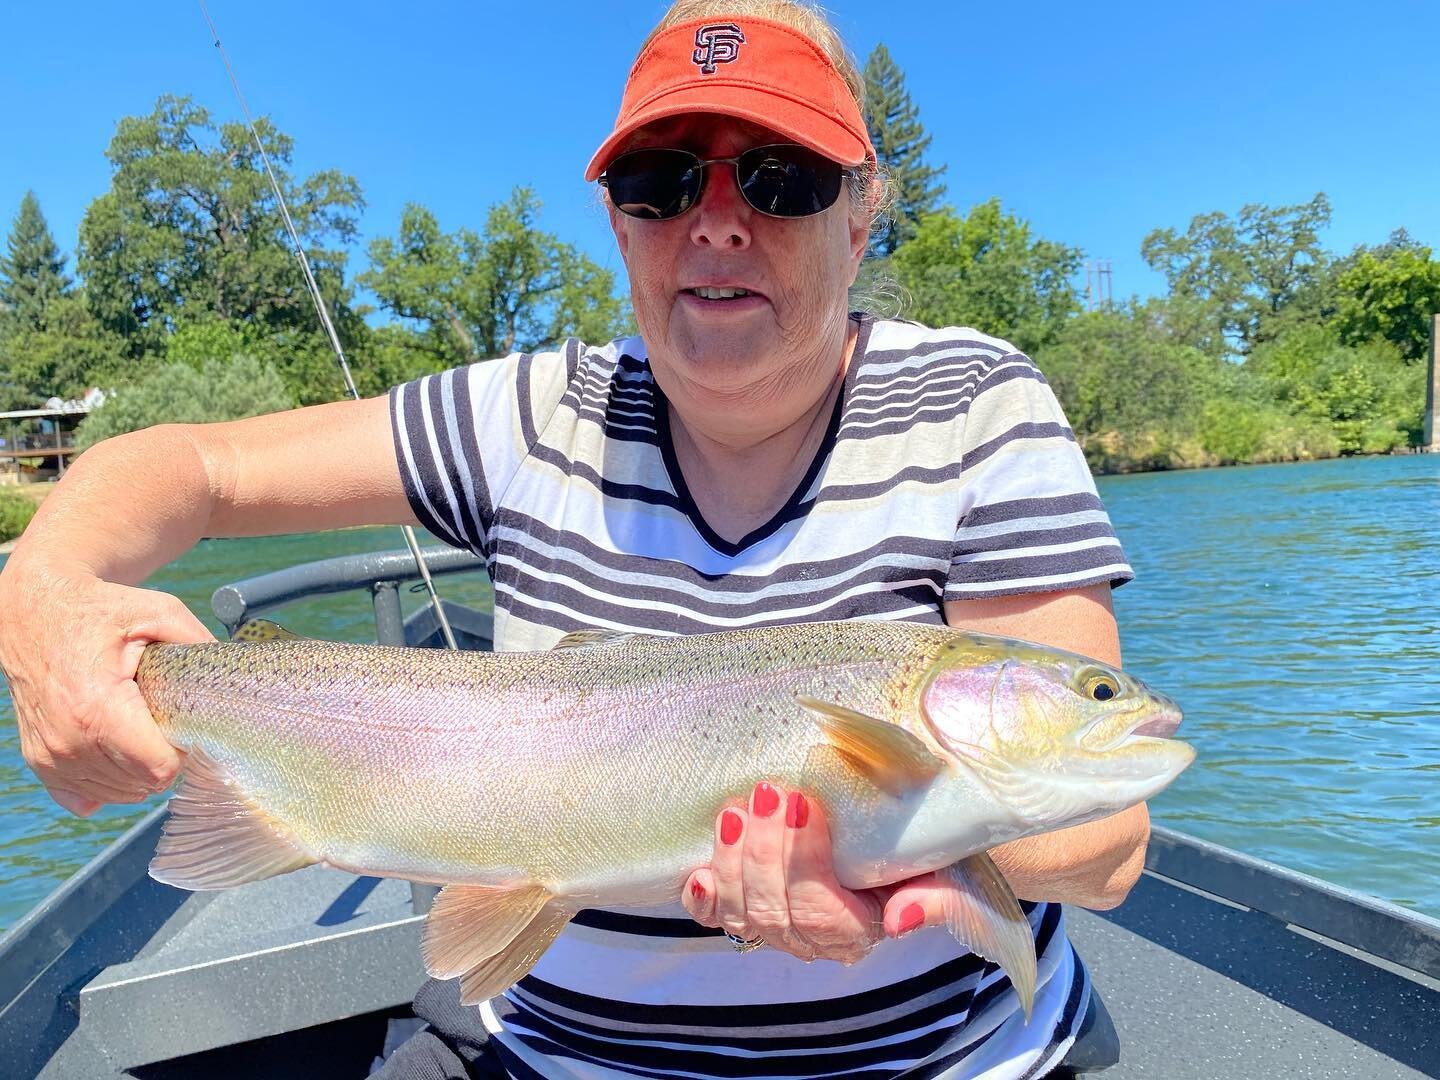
(531, 785)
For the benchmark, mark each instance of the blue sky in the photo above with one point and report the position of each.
(1096, 122)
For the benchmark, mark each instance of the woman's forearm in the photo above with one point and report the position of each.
(1093, 865)
(127, 507)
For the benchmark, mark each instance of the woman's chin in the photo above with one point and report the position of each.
(724, 363)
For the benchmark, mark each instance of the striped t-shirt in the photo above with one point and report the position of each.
(947, 472)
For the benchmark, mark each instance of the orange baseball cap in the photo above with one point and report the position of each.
(749, 68)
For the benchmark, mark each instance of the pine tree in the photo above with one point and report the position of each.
(900, 145)
(32, 272)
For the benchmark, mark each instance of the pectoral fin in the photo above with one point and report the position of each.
(470, 923)
(889, 756)
(987, 917)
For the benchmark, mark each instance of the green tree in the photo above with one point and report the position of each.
(472, 296)
(72, 353)
(900, 144)
(50, 343)
(219, 389)
(1367, 394)
(16, 510)
(1248, 271)
(1390, 295)
(190, 230)
(986, 270)
(1241, 423)
(32, 270)
(1130, 389)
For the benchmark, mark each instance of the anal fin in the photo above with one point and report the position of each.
(451, 950)
(217, 837)
(471, 923)
(987, 917)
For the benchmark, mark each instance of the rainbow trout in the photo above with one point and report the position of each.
(532, 785)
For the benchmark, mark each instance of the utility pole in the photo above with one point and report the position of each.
(1430, 439)
(1099, 284)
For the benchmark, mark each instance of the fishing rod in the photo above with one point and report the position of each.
(334, 338)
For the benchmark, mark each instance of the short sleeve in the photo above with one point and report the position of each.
(461, 435)
(1030, 518)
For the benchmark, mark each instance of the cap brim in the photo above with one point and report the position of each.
(794, 119)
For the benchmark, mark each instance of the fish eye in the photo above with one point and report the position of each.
(1101, 687)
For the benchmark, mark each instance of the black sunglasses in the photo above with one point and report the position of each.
(785, 181)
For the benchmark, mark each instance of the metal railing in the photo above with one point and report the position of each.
(381, 573)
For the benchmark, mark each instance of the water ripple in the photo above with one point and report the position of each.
(1292, 612)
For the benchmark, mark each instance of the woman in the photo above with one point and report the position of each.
(757, 454)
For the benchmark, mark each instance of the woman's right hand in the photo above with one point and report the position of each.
(70, 644)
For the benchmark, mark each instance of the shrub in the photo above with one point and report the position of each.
(178, 393)
(16, 510)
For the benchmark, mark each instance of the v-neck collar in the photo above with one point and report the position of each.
(796, 505)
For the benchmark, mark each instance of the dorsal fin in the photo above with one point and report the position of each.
(262, 630)
(584, 639)
(891, 758)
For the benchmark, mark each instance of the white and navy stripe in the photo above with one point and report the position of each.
(948, 472)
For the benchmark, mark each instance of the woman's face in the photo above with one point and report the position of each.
(796, 270)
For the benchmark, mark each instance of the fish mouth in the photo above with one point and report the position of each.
(1157, 722)
(1160, 725)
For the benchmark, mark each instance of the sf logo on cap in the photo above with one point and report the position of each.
(718, 43)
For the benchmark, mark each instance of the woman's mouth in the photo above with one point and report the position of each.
(722, 298)
(718, 292)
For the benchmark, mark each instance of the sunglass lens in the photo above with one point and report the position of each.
(789, 181)
(654, 184)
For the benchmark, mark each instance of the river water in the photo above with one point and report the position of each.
(1290, 609)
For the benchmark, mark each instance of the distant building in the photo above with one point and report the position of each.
(36, 444)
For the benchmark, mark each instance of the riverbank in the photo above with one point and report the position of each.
(1114, 454)
(1113, 467)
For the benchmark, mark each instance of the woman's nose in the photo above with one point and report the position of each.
(723, 217)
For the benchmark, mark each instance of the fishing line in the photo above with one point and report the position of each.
(325, 321)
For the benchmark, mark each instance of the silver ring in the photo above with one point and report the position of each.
(744, 945)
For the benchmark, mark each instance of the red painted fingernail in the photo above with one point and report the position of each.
(730, 826)
(797, 810)
(766, 800)
(910, 919)
(697, 891)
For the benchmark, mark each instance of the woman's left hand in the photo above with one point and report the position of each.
(772, 877)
